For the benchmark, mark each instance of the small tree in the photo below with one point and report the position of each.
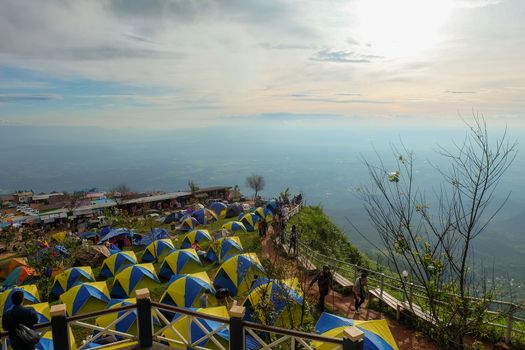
(433, 240)
(45, 261)
(122, 189)
(194, 188)
(256, 183)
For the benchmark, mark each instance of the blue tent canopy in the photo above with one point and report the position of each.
(89, 234)
(117, 233)
(147, 238)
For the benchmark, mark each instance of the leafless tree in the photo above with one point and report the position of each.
(433, 240)
(122, 189)
(256, 183)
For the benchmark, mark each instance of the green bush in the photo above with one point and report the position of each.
(317, 231)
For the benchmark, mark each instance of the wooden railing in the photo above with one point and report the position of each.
(241, 335)
(410, 291)
(514, 323)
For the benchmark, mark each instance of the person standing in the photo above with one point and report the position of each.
(263, 228)
(17, 315)
(204, 298)
(359, 290)
(293, 241)
(223, 297)
(324, 283)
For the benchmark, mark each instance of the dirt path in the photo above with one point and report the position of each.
(406, 338)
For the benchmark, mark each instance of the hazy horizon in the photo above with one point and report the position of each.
(325, 169)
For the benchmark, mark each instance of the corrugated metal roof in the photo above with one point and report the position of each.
(156, 198)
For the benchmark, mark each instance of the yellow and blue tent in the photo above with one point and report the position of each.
(234, 226)
(179, 262)
(219, 209)
(31, 296)
(71, 277)
(202, 237)
(189, 329)
(238, 273)
(157, 250)
(46, 342)
(249, 220)
(204, 216)
(116, 262)
(188, 223)
(272, 205)
(86, 297)
(129, 323)
(59, 237)
(132, 278)
(264, 214)
(283, 297)
(186, 290)
(224, 249)
(42, 311)
(377, 333)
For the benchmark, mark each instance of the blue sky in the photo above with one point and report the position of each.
(170, 63)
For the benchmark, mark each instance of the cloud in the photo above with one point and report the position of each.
(313, 98)
(28, 97)
(137, 37)
(25, 85)
(327, 55)
(352, 41)
(109, 53)
(281, 116)
(459, 92)
(475, 3)
(285, 46)
(346, 101)
(348, 94)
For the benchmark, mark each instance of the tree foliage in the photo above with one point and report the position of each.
(45, 261)
(432, 237)
(122, 189)
(317, 231)
(256, 183)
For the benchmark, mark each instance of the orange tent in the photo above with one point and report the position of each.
(11, 265)
(18, 276)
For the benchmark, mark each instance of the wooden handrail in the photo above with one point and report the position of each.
(291, 332)
(189, 312)
(100, 313)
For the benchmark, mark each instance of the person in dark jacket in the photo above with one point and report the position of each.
(293, 241)
(324, 283)
(16, 315)
(360, 291)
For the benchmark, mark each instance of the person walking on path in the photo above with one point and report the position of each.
(263, 228)
(324, 283)
(293, 241)
(17, 315)
(360, 292)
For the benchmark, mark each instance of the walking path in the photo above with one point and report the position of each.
(406, 338)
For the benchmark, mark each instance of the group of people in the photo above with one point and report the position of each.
(325, 282)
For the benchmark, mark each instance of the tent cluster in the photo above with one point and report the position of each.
(121, 274)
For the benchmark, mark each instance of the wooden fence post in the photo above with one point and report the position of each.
(59, 327)
(236, 328)
(510, 319)
(144, 322)
(381, 290)
(353, 338)
(411, 295)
